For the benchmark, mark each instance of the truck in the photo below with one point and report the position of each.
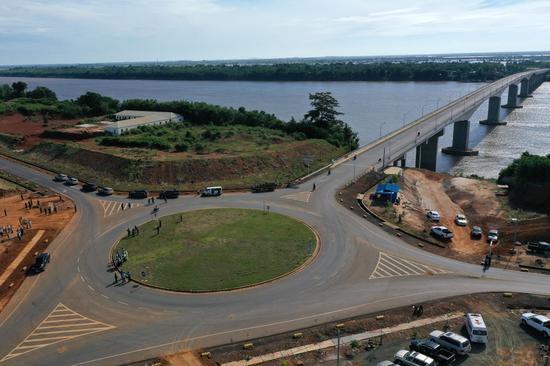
(538, 322)
(540, 247)
(433, 350)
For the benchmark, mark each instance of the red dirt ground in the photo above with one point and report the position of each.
(17, 124)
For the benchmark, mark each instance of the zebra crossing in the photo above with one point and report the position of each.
(60, 325)
(300, 196)
(113, 207)
(393, 266)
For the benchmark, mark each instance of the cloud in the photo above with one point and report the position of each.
(128, 30)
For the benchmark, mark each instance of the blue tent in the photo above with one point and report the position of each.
(387, 191)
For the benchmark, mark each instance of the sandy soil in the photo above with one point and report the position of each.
(17, 124)
(10, 248)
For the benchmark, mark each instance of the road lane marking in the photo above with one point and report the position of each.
(72, 325)
(393, 266)
(300, 196)
(113, 207)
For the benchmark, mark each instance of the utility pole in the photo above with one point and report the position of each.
(338, 327)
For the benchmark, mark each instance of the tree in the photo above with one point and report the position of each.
(19, 88)
(6, 92)
(97, 104)
(41, 92)
(324, 111)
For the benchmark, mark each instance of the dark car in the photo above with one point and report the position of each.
(89, 187)
(476, 232)
(141, 193)
(433, 350)
(105, 191)
(171, 193)
(41, 261)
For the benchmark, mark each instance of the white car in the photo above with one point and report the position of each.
(71, 181)
(413, 358)
(451, 341)
(461, 220)
(538, 322)
(61, 178)
(386, 363)
(492, 236)
(442, 232)
(433, 216)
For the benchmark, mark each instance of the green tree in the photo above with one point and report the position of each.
(19, 88)
(324, 111)
(41, 92)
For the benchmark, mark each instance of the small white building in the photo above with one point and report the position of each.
(128, 120)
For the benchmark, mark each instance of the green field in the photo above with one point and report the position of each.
(217, 249)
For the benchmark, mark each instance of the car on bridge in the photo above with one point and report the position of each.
(537, 322)
(433, 216)
(413, 358)
(461, 220)
(441, 232)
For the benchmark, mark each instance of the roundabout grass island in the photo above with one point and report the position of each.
(217, 249)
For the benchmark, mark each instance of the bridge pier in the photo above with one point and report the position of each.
(524, 89)
(426, 153)
(512, 97)
(493, 115)
(461, 135)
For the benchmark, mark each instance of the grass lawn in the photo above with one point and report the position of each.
(217, 249)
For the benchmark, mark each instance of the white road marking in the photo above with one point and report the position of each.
(392, 266)
(299, 196)
(72, 326)
(113, 207)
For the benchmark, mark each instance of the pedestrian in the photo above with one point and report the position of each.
(30, 224)
(158, 230)
(165, 200)
(22, 197)
(129, 204)
(5, 212)
(137, 230)
(153, 199)
(122, 277)
(160, 223)
(129, 275)
(181, 218)
(74, 208)
(116, 277)
(26, 207)
(328, 171)
(122, 206)
(313, 187)
(129, 232)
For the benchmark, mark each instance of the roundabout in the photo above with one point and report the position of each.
(216, 249)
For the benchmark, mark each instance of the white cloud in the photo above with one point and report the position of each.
(118, 30)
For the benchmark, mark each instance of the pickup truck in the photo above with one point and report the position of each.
(537, 322)
(433, 350)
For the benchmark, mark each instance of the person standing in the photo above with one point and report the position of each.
(116, 277)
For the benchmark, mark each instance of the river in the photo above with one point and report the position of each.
(371, 108)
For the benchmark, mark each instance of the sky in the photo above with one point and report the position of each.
(84, 31)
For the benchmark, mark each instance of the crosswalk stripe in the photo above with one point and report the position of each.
(393, 266)
(113, 207)
(46, 334)
(299, 196)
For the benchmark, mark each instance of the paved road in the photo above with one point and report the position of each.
(360, 269)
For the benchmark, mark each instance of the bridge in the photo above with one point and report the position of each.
(423, 133)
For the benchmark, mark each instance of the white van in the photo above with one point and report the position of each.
(476, 328)
(212, 191)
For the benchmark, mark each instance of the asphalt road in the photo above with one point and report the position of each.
(101, 324)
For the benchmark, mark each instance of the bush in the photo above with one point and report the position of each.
(181, 147)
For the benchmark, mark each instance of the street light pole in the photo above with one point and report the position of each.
(338, 327)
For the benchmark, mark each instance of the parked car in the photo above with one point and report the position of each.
(263, 187)
(212, 191)
(492, 236)
(61, 178)
(413, 358)
(139, 194)
(433, 350)
(441, 232)
(71, 181)
(538, 247)
(89, 187)
(40, 263)
(105, 191)
(537, 322)
(386, 363)
(433, 216)
(461, 220)
(476, 233)
(171, 193)
(451, 341)
(476, 328)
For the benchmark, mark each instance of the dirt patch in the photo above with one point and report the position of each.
(509, 344)
(19, 125)
(15, 214)
(423, 190)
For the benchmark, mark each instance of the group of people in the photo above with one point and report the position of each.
(122, 205)
(124, 276)
(6, 230)
(120, 257)
(133, 231)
